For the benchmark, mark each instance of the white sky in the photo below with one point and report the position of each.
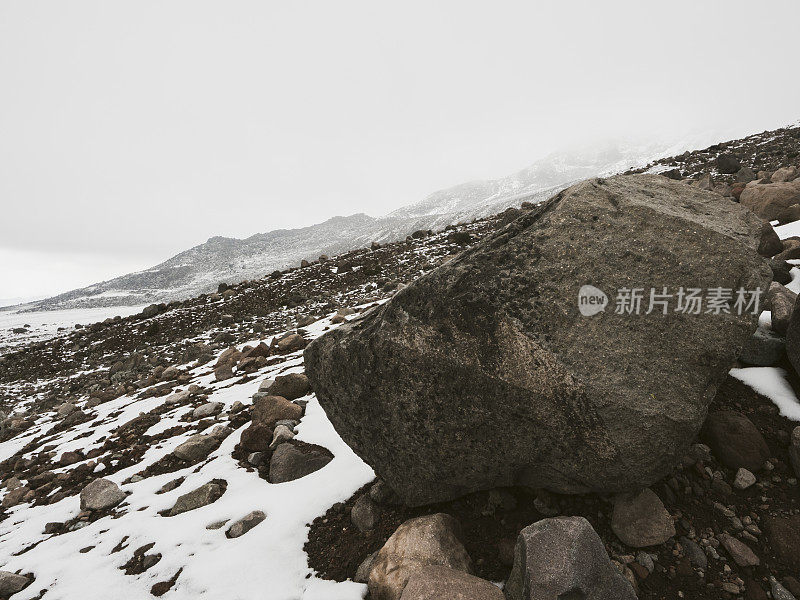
(132, 130)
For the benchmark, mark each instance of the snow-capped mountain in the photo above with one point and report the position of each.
(202, 268)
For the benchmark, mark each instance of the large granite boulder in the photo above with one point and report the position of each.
(485, 373)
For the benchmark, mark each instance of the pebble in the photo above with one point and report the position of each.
(744, 479)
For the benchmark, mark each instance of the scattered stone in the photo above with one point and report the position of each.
(765, 349)
(694, 553)
(11, 583)
(778, 591)
(293, 460)
(364, 514)
(744, 479)
(641, 520)
(768, 200)
(563, 557)
(790, 214)
(362, 573)
(207, 410)
(291, 386)
(101, 494)
(66, 409)
(196, 448)
(728, 164)
(770, 244)
(291, 343)
(780, 300)
(281, 434)
(443, 583)
(256, 438)
(245, 524)
(389, 394)
(268, 410)
(735, 441)
(197, 498)
(419, 542)
(223, 372)
(784, 539)
(741, 554)
(784, 174)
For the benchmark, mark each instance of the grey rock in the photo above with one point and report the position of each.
(640, 520)
(694, 553)
(541, 399)
(735, 441)
(207, 410)
(245, 524)
(780, 301)
(197, 498)
(364, 514)
(563, 557)
(419, 542)
(197, 447)
(744, 479)
(444, 583)
(281, 434)
(293, 460)
(362, 573)
(778, 591)
(11, 583)
(740, 552)
(764, 349)
(291, 386)
(101, 494)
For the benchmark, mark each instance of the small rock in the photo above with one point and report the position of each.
(268, 410)
(196, 448)
(641, 520)
(293, 460)
(442, 583)
(101, 494)
(765, 349)
(291, 386)
(281, 434)
(694, 553)
(197, 498)
(778, 591)
(11, 583)
(206, 410)
(362, 573)
(245, 524)
(364, 514)
(780, 301)
(744, 479)
(735, 441)
(741, 554)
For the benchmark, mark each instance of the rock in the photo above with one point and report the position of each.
(293, 460)
(291, 386)
(778, 591)
(207, 410)
(744, 479)
(784, 539)
(641, 520)
(781, 271)
(735, 441)
(223, 372)
(443, 583)
(791, 249)
(281, 434)
(15, 497)
(417, 543)
(362, 573)
(256, 437)
(770, 244)
(66, 409)
(764, 349)
(694, 553)
(196, 448)
(101, 494)
(793, 585)
(364, 514)
(245, 524)
(780, 301)
(268, 410)
(470, 335)
(11, 583)
(794, 450)
(784, 174)
(790, 214)
(768, 200)
(745, 175)
(150, 311)
(197, 498)
(706, 182)
(170, 373)
(741, 554)
(70, 458)
(564, 558)
(728, 164)
(291, 343)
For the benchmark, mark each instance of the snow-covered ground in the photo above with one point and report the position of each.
(267, 562)
(45, 324)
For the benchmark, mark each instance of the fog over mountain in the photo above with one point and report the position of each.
(223, 259)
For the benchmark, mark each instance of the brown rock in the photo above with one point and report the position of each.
(780, 301)
(444, 583)
(784, 538)
(768, 200)
(641, 520)
(268, 410)
(740, 552)
(735, 441)
(770, 243)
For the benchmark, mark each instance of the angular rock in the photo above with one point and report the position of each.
(781, 271)
(11, 583)
(207, 410)
(768, 200)
(291, 386)
(291, 343)
(640, 520)
(735, 441)
(268, 410)
(484, 373)
(728, 164)
(364, 514)
(770, 244)
(443, 583)
(784, 174)
(256, 437)
(197, 498)
(694, 553)
(245, 524)
(417, 543)
(293, 460)
(740, 552)
(101, 494)
(363, 571)
(765, 349)
(223, 372)
(780, 300)
(791, 249)
(790, 214)
(197, 447)
(778, 591)
(564, 558)
(744, 479)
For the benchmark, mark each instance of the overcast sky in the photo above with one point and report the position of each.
(132, 130)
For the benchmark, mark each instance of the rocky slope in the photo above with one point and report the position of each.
(180, 452)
